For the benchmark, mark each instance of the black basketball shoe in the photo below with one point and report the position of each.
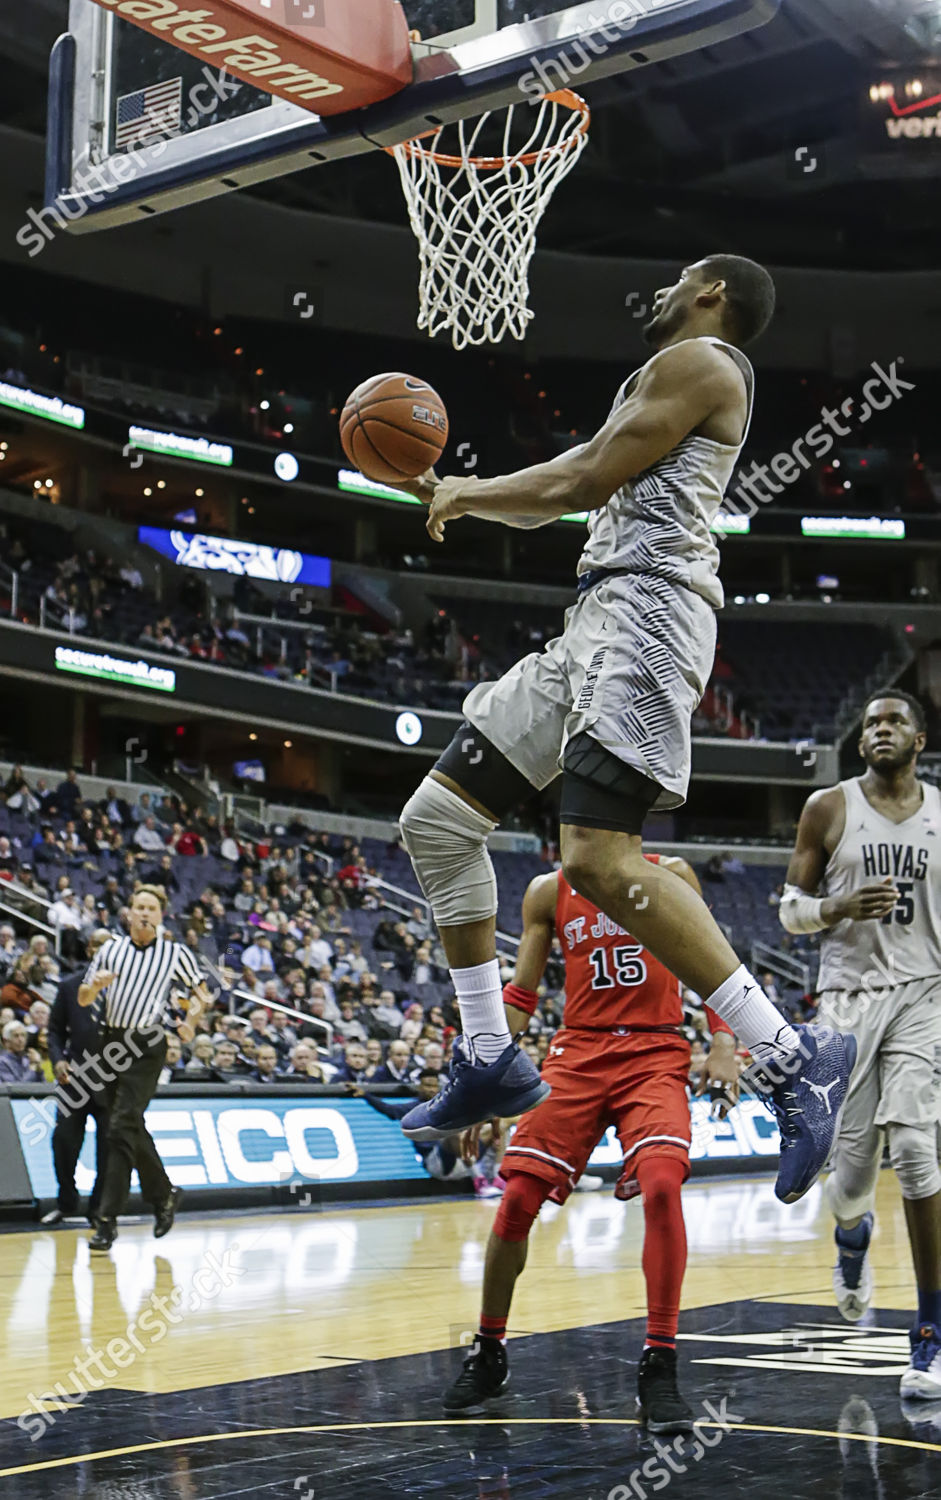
(659, 1401)
(484, 1376)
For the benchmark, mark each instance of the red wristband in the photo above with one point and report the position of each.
(716, 1023)
(520, 999)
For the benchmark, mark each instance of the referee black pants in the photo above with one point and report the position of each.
(125, 1098)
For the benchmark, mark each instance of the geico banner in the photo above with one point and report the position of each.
(261, 1142)
(253, 1142)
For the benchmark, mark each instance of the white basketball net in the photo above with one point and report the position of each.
(476, 217)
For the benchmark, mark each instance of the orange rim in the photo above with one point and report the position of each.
(566, 97)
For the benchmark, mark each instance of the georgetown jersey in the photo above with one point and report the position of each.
(660, 522)
(905, 944)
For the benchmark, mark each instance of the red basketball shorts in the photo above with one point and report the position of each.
(635, 1082)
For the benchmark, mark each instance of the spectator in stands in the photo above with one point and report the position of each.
(429, 1055)
(382, 1016)
(8, 858)
(774, 896)
(396, 1067)
(200, 1054)
(322, 1003)
(111, 898)
(68, 793)
(172, 1070)
(65, 913)
(354, 1065)
(770, 988)
(315, 952)
(258, 957)
(48, 851)
(225, 1061)
(283, 1034)
(185, 841)
(266, 1065)
(115, 809)
(418, 925)
(303, 1056)
(17, 1065)
(349, 1025)
(259, 1030)
(373, 1057)
(148, 838)
(142, 809)
(19, 795)
(10, 949)
(412, 1025)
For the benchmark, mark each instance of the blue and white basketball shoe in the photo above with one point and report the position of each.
(852, 1274)
(475, 1092)
(806, 1093)
(922, 1379)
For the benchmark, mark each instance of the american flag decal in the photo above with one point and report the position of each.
(148, 112)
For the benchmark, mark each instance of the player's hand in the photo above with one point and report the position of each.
(868, 902)
(186, 1031)
(423, 488)
(61, 1071)
(720, 1072)
(451, 501)
(470, 1144)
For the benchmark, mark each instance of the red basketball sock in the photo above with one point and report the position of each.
(664, 1259)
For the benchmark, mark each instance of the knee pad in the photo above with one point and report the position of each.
(522, 1199)
(850, 1189)
(913, 1151)
(447, 842)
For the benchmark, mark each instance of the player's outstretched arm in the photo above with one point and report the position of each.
(675, 393)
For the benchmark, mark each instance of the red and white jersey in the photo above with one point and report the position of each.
(610, 980)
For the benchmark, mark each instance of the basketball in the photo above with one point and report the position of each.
(393, 427)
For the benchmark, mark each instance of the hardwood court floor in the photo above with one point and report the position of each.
(302, 1353)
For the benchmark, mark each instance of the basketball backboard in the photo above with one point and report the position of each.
(111, 83)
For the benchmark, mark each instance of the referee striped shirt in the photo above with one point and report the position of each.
(137, 998)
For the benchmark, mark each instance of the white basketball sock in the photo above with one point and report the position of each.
(479, 993)
(759, 1025)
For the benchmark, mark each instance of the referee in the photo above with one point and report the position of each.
(136, 974)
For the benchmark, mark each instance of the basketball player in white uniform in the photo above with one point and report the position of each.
(866, 871)
(608, 705)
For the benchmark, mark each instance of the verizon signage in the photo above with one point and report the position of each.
(902, 112)
(327, 55)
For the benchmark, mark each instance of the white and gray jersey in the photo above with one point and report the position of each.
(660, 523)
(906, 944)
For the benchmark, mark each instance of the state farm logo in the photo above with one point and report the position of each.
(207, 33)
(913, 107)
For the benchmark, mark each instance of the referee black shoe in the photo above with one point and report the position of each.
(484, 1376)
(106, 1232)
(659, 1402)
(163, 1219)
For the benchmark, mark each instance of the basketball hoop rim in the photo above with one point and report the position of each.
(566, 97)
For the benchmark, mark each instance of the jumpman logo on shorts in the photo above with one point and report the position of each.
(822, 1091)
